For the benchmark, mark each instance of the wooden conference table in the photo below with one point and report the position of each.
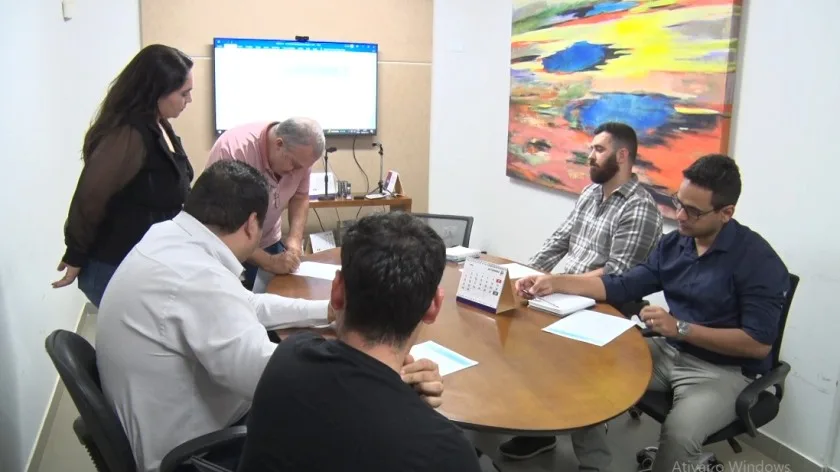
(527, 380)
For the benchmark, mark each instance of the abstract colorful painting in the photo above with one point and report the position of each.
(664, 67)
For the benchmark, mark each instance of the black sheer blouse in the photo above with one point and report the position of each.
(130, 181)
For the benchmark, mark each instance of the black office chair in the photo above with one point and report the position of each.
(755, 406)
(631, 308)
(98, 427)
(453, 229)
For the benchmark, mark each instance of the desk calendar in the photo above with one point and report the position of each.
(486, 286)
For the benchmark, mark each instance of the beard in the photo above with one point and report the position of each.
(605, 172)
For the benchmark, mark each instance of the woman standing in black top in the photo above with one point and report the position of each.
(135, 172)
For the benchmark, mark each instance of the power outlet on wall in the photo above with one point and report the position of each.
(68, 9)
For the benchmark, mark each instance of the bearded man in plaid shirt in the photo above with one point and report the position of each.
(613, 227)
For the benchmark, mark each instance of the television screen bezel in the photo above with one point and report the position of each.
(334, 133)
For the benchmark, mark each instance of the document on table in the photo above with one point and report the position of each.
(590, 327)
(448, 361)
(317, 270)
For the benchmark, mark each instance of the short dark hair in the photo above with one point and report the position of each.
(719, 174)
(622, 134)
(392, 264)
(225, 195)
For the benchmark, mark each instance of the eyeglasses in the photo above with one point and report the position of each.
(692, 212)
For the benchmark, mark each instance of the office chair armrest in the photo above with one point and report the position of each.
(749, 396)
(187, 452)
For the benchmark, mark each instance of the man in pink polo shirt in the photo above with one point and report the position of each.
(284, 152)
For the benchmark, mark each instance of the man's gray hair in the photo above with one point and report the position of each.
(298, 131)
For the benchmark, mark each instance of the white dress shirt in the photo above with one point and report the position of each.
(180, 342)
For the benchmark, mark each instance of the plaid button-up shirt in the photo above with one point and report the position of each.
(614, 234)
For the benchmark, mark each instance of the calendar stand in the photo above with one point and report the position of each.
(393, 184)
(486, 286)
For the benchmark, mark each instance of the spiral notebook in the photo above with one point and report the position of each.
(561, 304)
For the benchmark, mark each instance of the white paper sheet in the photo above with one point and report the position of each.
(517, 271)
(317, 270)
(635, 319)
(590, 327)
(448, 361)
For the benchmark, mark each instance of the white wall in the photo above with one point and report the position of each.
(54, 73)
(785, 134)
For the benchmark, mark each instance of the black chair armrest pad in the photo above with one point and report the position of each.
(200, 445)
(748, 398)
(81, 431)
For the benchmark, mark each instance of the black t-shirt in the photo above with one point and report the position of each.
(323, 406)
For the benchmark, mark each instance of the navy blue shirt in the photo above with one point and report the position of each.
(739, 282)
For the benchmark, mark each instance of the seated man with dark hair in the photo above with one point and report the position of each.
(181, 344)
(343, 405)
(725, 287)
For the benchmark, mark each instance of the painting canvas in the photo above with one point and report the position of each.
(664, 67)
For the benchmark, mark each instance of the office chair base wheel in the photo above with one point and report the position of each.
(645, 457)
(714, 465)
(635, 413)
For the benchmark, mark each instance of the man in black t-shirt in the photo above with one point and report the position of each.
(347, 404)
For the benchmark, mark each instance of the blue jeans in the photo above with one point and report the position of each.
(93, 278)
(251, 269)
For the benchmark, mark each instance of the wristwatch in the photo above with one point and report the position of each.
(682, 328)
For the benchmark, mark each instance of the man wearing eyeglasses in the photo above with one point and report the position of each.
(725, 287)
(614, 225)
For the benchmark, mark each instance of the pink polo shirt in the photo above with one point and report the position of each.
(249, 144)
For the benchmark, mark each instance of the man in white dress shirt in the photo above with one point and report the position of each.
(180, 342)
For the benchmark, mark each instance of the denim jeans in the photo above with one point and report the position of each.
(251, 269)
(93, 278)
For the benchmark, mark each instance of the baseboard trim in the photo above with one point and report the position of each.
(781, 453)
(49, 417)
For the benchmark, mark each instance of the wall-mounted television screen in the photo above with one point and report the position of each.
(273, 79)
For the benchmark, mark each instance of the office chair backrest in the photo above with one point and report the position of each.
(75, 360)
(777, 346)
(453, 229)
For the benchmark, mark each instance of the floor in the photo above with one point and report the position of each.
(64, 453)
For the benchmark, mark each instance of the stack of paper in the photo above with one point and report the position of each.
(460, 253)
(590, 327)
(561, 304)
